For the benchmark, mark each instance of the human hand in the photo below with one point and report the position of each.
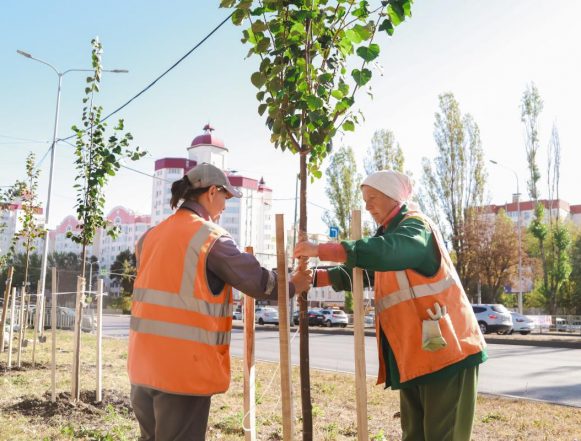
(302, 279)
(306, 249)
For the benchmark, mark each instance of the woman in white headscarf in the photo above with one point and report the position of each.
(430, 345)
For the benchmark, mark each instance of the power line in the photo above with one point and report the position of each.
(165, 73)
(23, 139)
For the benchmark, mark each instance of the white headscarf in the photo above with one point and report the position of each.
(391, 183)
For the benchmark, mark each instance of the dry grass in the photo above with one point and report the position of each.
(27, 414)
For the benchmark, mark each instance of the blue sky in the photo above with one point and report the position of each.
(483, 52)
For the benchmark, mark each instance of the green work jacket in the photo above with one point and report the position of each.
(407, 244)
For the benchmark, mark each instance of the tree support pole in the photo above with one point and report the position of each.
(99, 385)
(53, 329)
(359, 336)
(249, 369)
(284, 332)
(76, 372)
(5, 306)
(11, 332)
(36, 322)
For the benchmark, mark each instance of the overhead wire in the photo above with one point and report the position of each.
(164, 73)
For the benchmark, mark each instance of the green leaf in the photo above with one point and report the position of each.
(386, 26)
(258, 79)
(337, 94)
(348, 126)
(363, 31)
(361, 77)
(396, 13)
(368, 53)
(258, 26)
(314, 102)
(262, 108)
(353, 36)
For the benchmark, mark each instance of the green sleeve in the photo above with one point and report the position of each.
(410, 245)
(341, 277)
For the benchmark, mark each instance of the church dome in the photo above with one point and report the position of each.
(207, 138)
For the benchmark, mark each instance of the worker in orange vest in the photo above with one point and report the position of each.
(181, 315)
(429, 342)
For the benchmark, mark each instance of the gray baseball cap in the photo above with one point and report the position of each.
(205, 175)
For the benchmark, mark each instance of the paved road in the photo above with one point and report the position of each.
(548, 374)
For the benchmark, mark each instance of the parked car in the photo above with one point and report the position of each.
(315, 318)
(266, 315)
(521, 323)
(237, 314)
(493, 318)
(563, 325)
(335, 317)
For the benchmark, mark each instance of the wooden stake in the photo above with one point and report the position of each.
(359, 335)
(11, 332)
(53, 326)
(21, 334)
(284, 332)
(5, 306)
(99, 392)
(36, 322)
(249, 372)
(76, 373)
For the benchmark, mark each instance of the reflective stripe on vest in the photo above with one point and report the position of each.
(182, 332)
(162, 298)
(408, 293)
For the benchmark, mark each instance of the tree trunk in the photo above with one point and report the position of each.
(307, 411)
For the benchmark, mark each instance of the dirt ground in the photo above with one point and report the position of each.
(26, 412)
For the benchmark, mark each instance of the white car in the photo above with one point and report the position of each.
(266, 315)
(493, 318)
(521, 323)
(334, 317)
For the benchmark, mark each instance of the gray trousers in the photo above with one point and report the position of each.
(168, 417)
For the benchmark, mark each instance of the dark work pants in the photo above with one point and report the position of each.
(442, 410)
(169, 417)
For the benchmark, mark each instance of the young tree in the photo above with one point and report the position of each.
(306, 87)
(384, 153)
(342, 189)
(455, 182)
(30, 229)
(97, 159)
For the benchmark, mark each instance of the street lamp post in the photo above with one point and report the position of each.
(519, 227)
(60, 75)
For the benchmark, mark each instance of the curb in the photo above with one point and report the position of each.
(575, 343)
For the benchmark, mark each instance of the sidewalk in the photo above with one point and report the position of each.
(545, 340)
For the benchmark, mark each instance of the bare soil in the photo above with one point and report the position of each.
(26, 412)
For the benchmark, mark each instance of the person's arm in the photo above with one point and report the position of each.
(243, 271)
(409, 246)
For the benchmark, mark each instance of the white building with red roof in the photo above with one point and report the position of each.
(11, 215)
(249, 219)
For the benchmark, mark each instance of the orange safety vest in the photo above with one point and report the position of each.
(401, 301)
(179, 338)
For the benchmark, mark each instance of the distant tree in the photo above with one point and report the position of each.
(18, 261)
(342, 189)
(454, 181)
(491, 253)
(124, 270)
(531, 108)
(571, 295)
(384, 153)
